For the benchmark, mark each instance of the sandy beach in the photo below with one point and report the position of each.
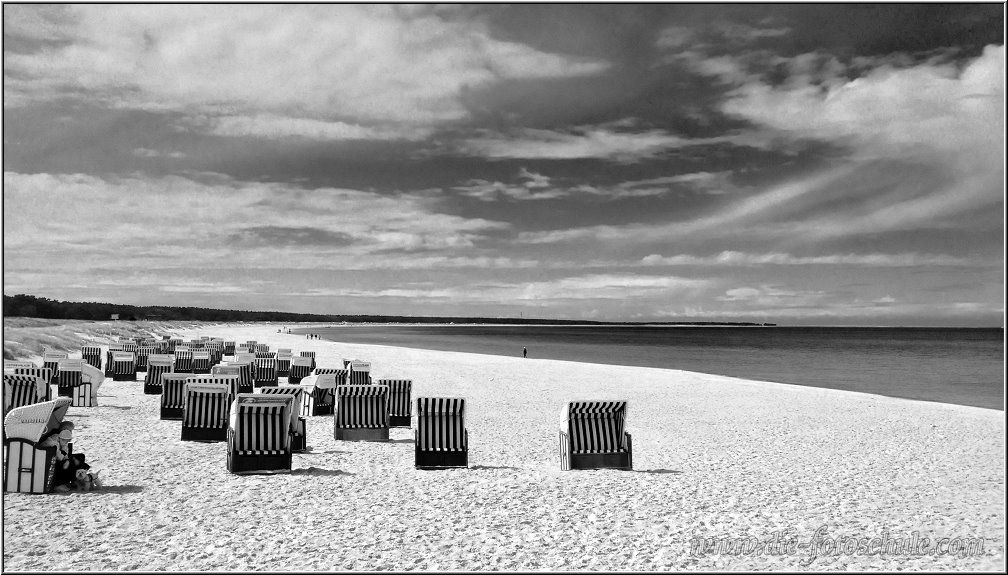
(713, 457)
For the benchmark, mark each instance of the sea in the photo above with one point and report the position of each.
(963, 366)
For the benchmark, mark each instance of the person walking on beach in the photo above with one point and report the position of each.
(524, 352)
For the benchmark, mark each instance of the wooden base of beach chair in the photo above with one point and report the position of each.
(171, 413)
(152, 389)
(267, 382)
(124, 376)
(27, 468)
(399, 421)
(601, 461)
(246, 388)
(361, 434)
(321, 409)
(201, 370)
(440, 459)
(83, 396)
(256, 464)
(204, 433)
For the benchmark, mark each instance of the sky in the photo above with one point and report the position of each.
(830, 164)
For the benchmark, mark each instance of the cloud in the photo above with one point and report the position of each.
(283, 236)
(148, 153)
(280, 127)
(734, 258)
(538, 187)
(327, 71)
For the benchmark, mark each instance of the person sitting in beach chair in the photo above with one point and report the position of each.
(361, 413)
(441, 437)
(21, 390)
(300, 367)
(259, 433)
(30, 465)
(592, 436)
(206, 401)
(173, 394)
(400, 402)
(299, 427)
(158, 364)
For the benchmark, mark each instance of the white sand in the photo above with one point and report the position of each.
(713, 456)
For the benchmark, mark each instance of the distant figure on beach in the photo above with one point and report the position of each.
(524, 352)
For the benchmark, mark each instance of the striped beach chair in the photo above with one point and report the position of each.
(92, 354)
(144, 351)
(320, 393)
(201, 361)
(284, 356)
(400, 402)
(359, 372)
(265, 372)
(361, 413)
(300, 367)
(173, 394)
(158, 364)
(68, 377)
(310, 354)
(299, 425)
(50, 359)
(442, 439)
(123, 366)
(261, 348)
(183, 359)
(29, 468)
(229, 348)
(346, 362)
(259, 433)
(593, 436)
(20, 390)
(216, 351)
(205, 409)
(29, 368)
(244, 370)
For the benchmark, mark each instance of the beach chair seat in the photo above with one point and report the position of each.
(173, 395)
(92, 354)
(29, 467)
(201, 361)
(50, 359)
(21, 390)
(158, 364)
(183, 359)
(441, 437)
(361, 413)
(265, 372)
(359, 372)
(142, 356)
(400, 402)
(244, 369)
(29, 368)
(300, 367)
(205, 409)
(259, 433)
(310, 354)
(124, 366)
(283, 362)
(299, 428)
(593, 436)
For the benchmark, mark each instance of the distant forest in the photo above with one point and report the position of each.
(23, 305)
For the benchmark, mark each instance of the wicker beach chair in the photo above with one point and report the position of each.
(300, 367)
(50, 359)
(158, 364)
(400, 403)
(92, 354)
(28, 467)
(229, 348)
(359, 372)
(216, 349)
(442, 439)
(173, 394)
(201, 361)
(144, 352)
(283, 356)
(261, 348)
(21, 390)
(29, 368)
(310, 354)
(592, 436)
(183, 359)
(124, 366)
(70, 382)
(259, 434)
(266, 372)
(299, 425)
(320, 391)
(244, 370)
(205, 409)
(361, 413)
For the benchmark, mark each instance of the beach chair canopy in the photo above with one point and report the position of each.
(302, 361)
(31, 422)
(162, 359)
(10, 365)
(91, 374)
(293, 390)
(358, 365)
(284, 350)
(230, 382)
(322, 381)
(70, 364)
(595, 426)
(245, 356)
(54, 355)
(441, 423)
(123, 356)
